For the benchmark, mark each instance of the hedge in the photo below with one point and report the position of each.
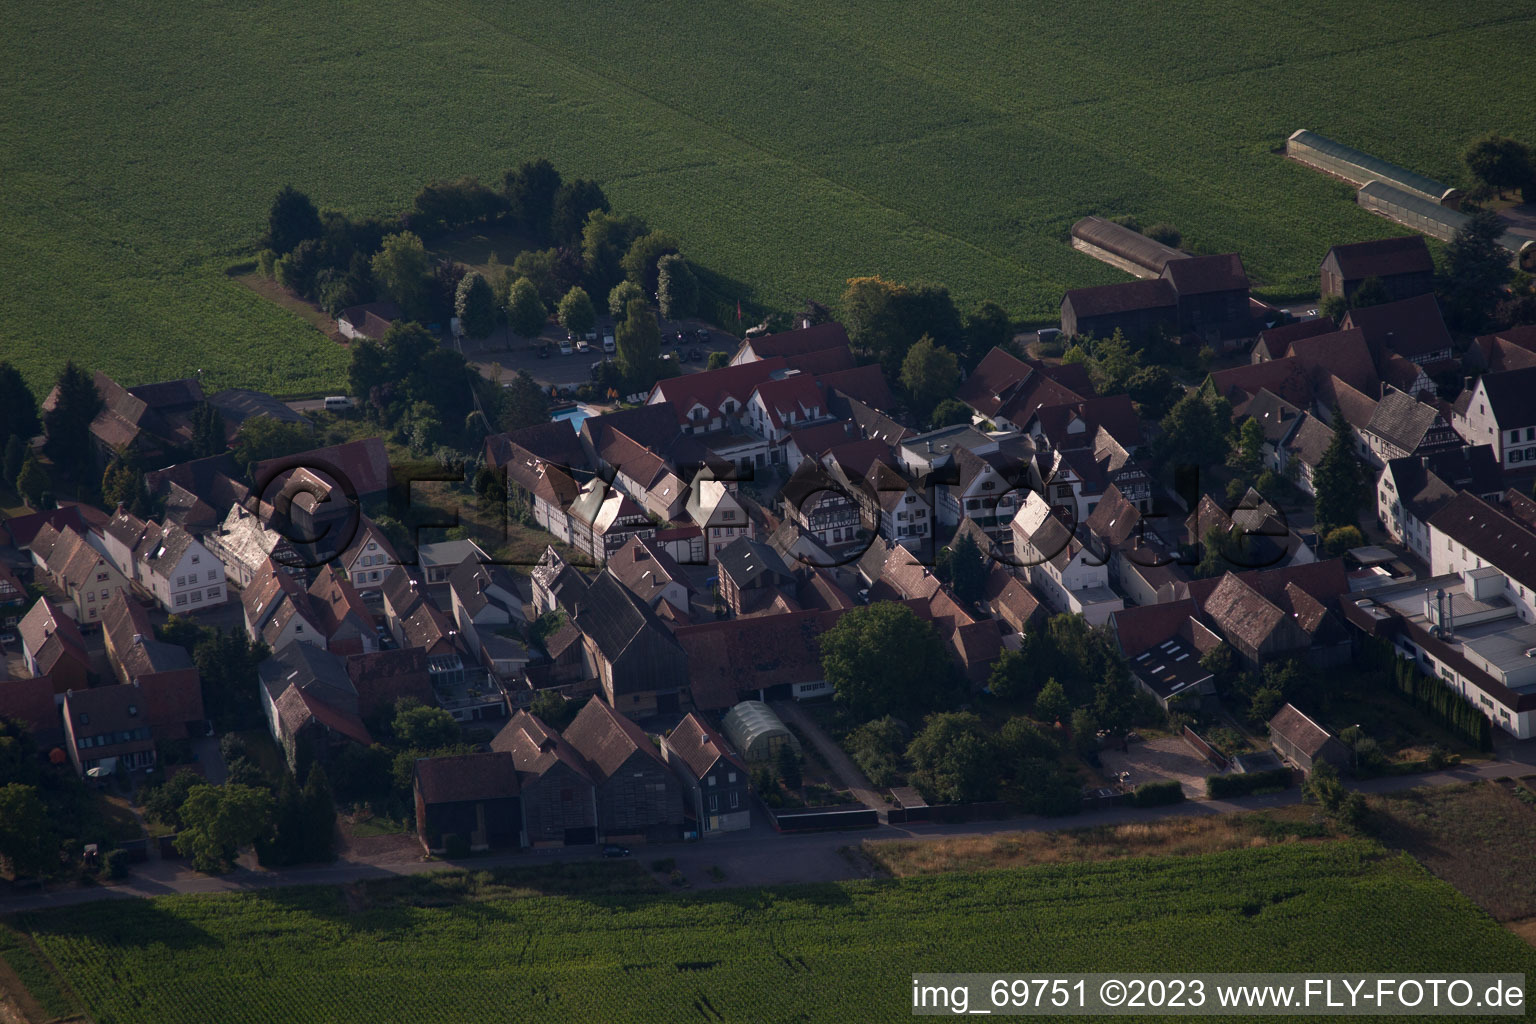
(1242, 785)
(1157, 794)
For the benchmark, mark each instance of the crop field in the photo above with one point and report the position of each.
(789, 145)
(439, 949)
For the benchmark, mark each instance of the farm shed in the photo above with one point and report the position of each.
(1436, 221)
(1119, 246)
(1304, 743)
(1358, 168)
(756, 731)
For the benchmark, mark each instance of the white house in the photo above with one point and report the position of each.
(1500, 410)
(1062, 569)
(368, 558)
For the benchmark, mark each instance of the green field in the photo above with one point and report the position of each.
(430, 951)
(790, 145)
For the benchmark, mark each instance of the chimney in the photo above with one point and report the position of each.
(138, 638)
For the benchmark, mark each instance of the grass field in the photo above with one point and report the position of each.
(466, 948)
(789, 145)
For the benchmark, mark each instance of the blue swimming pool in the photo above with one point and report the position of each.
(575, 417)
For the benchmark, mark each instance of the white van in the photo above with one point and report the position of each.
(608, 342)
(337, 403)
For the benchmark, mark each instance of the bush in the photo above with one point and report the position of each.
(114, 865)
(665, 866)
(1158, 794)
(1251, 782)
(1165, 233)
(455, 846)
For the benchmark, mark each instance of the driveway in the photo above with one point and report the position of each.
(839, 762)
(1153, 760)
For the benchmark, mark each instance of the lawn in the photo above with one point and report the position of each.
(608, 946)
(790, 146)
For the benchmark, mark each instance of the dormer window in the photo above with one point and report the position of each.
(195, 559)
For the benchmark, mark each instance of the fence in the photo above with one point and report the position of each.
(798, 820)
(1206, 751)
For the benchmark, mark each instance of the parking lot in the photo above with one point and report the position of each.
(512, 353)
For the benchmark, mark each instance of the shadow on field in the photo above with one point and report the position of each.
(125, 923)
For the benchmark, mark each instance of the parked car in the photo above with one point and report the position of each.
(591, 334)
(565, 346)
(608, 345)
(7, 638)
(703, 335)
(582, 346)
(612, 850)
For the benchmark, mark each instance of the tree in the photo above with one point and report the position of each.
(121, 485)
(368, 375)
(576, 312)
(1477, 268)
(573, 204)
(1051, 704)
(1166, 233)
(947, 413)
(292, 220)
(1112, 363)
(262, 438)
(1195, 430)
(1334, 307)
(882, 659)
(967, 569)
(27, 841)
(717, 360)
(552, 271)
(400, 267)
(929, 373)
(1247, 456)
(605, 239)
(553, 709)
(953, 759)
(530, 190)
(1339, 481)
(32, 482)
(1501, 163)
(1014, 678)
(1153, 389)
(986, 327)
(16, 452)
(620, 296)
(523, 403)
(787, 763)
(1021, 739)
(645, 252)
(1370, 292)
(218, 820)
(163, 802)
(208, 432)
(300, 269)
(474, 303)
(1343, 538)
(885, 319)
(68, 423)
(418, 726)
(876, 747)
(18, 406)
(677, 289)
(525, 310)
(319, 808)
(638, 340)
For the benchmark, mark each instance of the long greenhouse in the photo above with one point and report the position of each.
(1121, 247)
(1437, 221)
(1359, 168)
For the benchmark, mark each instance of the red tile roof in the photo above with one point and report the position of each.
(700, 747)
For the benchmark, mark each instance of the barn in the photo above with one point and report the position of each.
(1302, 742)
(1119, 246)
(1139, 309)
(1359, 168)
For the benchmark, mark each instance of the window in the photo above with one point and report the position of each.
(197, 597)
(1530, 433)
(730, 776)
(714, 803)
(181, 581)
(213, 593)
(195, 559)
(181, 599)
(91, 596)
(213, 574)
(735, 800)
(711, 780)
(298, 627)
(910, 498)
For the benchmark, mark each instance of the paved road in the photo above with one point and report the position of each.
(756, 856)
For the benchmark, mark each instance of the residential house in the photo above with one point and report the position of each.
(1301, 741)
(1061, 566)
(886, 497)
(354, 471)
(179, 571)
(85, 575)
(557, 585)
(1256, 533)
(170, 685)
(1302, 451)
(415, 620)
(546, 487)
(340, 614)
(384, 678)
(13, 600)
(652, 575)
(1274, 613)
(603, 519)
(1511, 349)
(784, 404)
(1009, 599)
(1500, 410)
(33, 703)
(1403, 266)
(638, 796)
(1412, 328)
(1274, 341)
(640, 667)
(714, 778)
(715, 510)
(1411, 490)
(752, 574)
(106, 728)
(828, 341)
(151, 423)
(1118, 535)
(767, 657)
(1007, 391)
(438, 560)
(368, 559)
(822, 507)
(52, 647)
(370, 320)
(1403, 426)
(559, 799)
(471, 796)
(244, 546)
(310, 703)
(279, 612)
(486, 605)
